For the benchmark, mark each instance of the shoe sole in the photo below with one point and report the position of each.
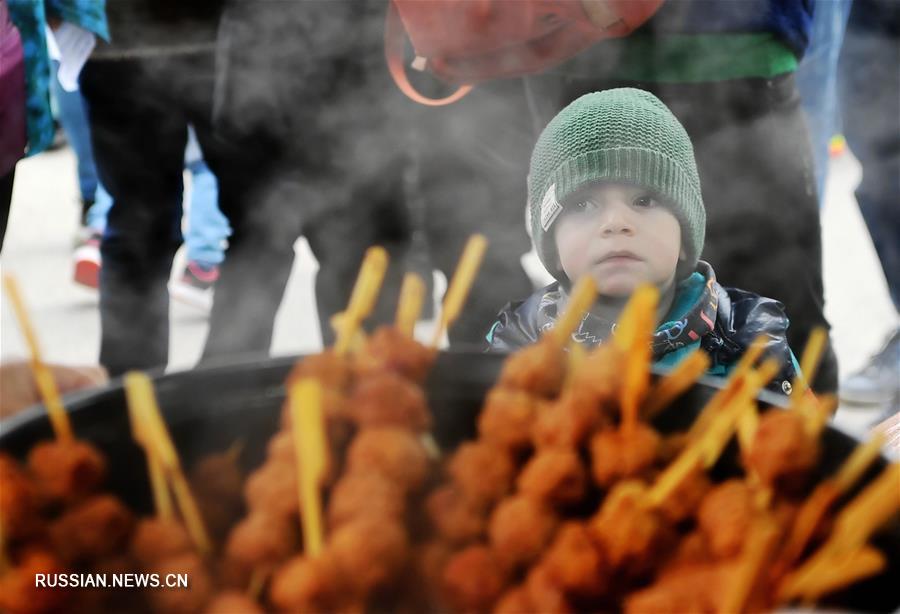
(200, 299)
(87, 269)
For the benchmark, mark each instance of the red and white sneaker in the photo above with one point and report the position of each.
(87, 262)
(195, 285)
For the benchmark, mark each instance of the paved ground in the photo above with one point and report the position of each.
(43, 224)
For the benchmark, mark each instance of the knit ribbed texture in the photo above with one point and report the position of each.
(625, 135)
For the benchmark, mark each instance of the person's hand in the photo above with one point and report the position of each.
(18, 389)
(891, 430)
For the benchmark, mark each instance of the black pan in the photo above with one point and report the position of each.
(209, 408)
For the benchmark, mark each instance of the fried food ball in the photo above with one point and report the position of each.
(575, 563)
(273, 488)
(630, 534)
(66, 470)
(690, 588)
(261, 539)
(782, 452)
(482, 472)
(544, 594)
(472, 580)
(430, 559)
(233, 602)
(218, 482)
(725, 516)
(390, 349)
(506, 419)
(369, 553)
(555, 475)
(390, 400)
(332, 370)
(395, 453)
(156, 539)
(538, 369)
(684, 502)
(188, 600)
(455, 518)
(98, 527)
(691, 550)
(19, 593)
(18, 500)
(368, 493)
(519, 529)
(568, 421)
(617, 455)
(514, 601)
(305, 584)
(600, 376)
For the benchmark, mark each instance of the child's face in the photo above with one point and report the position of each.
(621, 236)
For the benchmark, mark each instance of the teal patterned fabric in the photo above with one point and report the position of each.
(30, 17)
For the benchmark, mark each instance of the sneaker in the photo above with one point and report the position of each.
(878, 382)
(195, 286)
(87, 262)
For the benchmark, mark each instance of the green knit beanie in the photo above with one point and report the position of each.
(624, 135)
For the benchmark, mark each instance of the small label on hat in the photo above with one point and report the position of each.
(550, 208)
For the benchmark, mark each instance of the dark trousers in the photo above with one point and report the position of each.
(756, 172)
(6, 186)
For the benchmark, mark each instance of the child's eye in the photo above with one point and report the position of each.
(644, 201)
(586, 205)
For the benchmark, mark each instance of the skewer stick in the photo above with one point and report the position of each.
(310, 446)
(162, 500)
(859, 460)
(633, 336)
(867, 512)
(756, 552)
(364, 296)
(825, 575)
(460, 285)
(140, 393)
(673, 385)
(412, 297)
(580, 301)
(43, 377)
(809, 362)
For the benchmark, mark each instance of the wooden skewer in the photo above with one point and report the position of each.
(825, 575)
(460, 285)
(43, 377)
(816, 411)
(580, 301)
(867, 512)
(412, 297)
(142, 398)
(363, 297)
(756, 552)
(858, 462)
(311, 450)
(809, 362)
(673, 385)
(633, 336)
(162, 500)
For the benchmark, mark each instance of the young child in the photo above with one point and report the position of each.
(614, 194)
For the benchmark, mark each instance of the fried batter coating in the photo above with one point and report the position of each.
(273, 488)
(333, 371)
(429, 560)
(482, 472)
(617, 455)
(519, 529)
(395, 453)
(544, 594)
(514, 601)
(369, 493)
(472, 580)
(390, 400)
(98, 527)
(684, 502)
(369, 553)
(507, 418)
(156, 539)
(600, 376)
(232, 602)
(66, 470)
(305, 585)
(261, 539)
(629, 533)
(555, 475)
(575, 563)
(568, 421)
(217, 482)
(18, 591)
(188, 600)
(690, 588)
(725, 516)
(454, 517)
(782, 452)
(18, 500)
(389, 349)
(538, 369)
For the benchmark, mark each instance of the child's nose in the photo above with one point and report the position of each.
(615, 219)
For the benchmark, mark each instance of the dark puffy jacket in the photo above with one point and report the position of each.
(723, 321)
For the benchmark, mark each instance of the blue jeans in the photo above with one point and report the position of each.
(207, 228)
(817, 81)
(73, 117)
